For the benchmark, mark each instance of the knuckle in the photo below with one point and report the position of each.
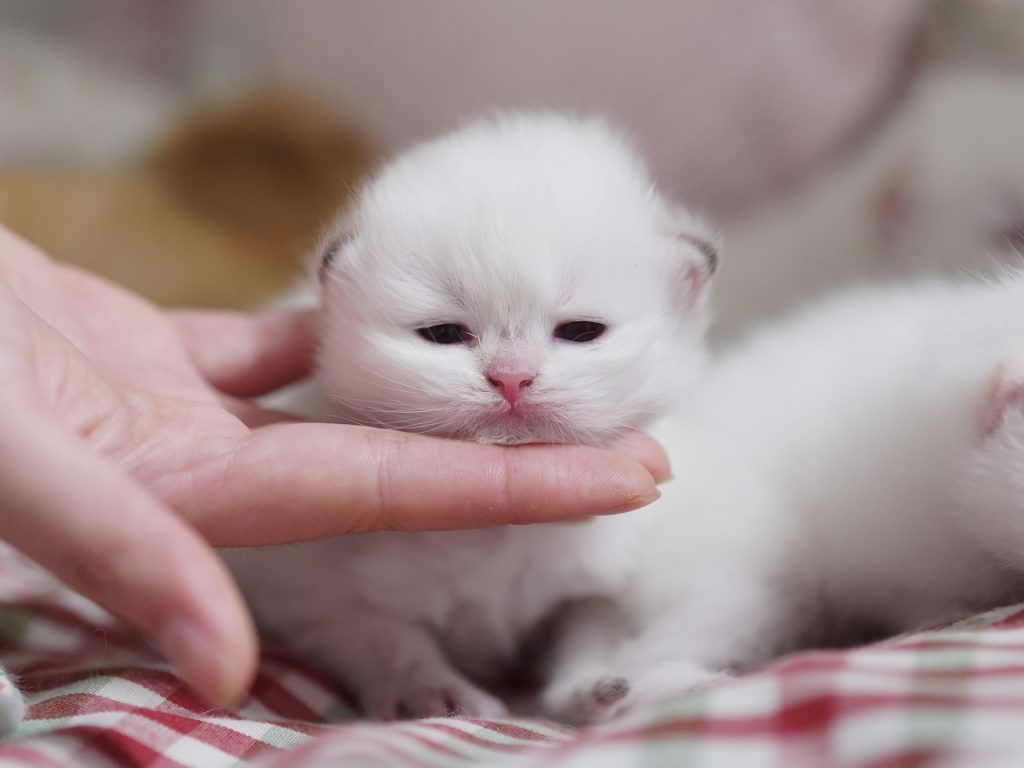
(387, 452)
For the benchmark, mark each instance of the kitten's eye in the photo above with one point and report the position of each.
(446, 333)
(580, 330)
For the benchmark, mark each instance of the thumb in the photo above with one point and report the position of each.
(98, 531)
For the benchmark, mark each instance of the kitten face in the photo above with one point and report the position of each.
(516, 281)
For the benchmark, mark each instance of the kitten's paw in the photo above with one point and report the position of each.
(585, 698)
(12, 705)
(667, 681)
(602, 698)
(601, 701)
(447, 698)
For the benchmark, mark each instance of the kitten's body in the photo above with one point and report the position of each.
(511, 230)
(860, 464)
(417, 624)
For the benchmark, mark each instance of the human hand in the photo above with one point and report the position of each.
(128, 448)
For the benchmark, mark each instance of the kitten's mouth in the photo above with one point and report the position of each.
(519, 410)
(519, 424)
(522, 414)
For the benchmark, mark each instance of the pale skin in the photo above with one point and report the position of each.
(129, 448)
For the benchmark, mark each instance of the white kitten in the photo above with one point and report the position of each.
(517, 281)
(859, 465)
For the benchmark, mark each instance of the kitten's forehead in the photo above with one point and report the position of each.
(505, 280)
(512, 265)
(508, 219)
(513, 270)
(520, 181)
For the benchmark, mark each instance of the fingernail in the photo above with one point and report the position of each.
(197, 658)
(636, 501)
(663, 475)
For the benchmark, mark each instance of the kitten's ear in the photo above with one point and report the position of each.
(709, 245)
(332, 248)
(327, 254)
(701, 246)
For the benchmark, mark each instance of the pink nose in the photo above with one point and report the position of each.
(511, 383)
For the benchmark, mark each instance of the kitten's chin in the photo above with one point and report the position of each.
(516, 432)
(507, 434)
(524, 428)
(509, 439)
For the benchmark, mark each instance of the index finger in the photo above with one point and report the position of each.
(245, 354)
(303, 481)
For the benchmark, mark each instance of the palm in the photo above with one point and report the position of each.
(125, 382)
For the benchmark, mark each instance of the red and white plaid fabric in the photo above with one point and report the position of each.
(99, 697)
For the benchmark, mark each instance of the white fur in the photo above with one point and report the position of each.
(509, 227)
(860, 464)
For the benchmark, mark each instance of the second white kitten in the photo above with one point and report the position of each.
(860, 466)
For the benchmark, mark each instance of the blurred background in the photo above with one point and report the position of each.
(193, 150)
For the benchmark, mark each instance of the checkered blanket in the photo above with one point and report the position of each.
(100, 697)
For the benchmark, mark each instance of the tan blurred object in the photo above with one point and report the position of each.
(272, 171)
(220, 215)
